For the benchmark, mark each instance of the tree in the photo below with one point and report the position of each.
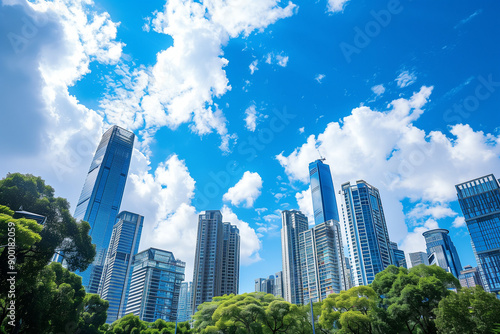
(240, 314)
(93, 315)
(410, 297)
(468, 311)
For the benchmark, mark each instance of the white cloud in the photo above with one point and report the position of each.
(251, 118)
(246, 190)
(301, 130)
(436, 211)
(319, 77)
(249, 242)
(253, 66)
(282, 60)
(459, 222)
(378, 89)
(404, 161)
(304, 200)
(405, 79)
(336, 5)
(278, 59)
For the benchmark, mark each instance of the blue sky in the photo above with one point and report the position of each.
(230, 101)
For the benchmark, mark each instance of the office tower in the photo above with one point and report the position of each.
(265, 284)
(367, 237)
(184, 311)
(155, 285)
(480, 203)
(101, 196)
(278, 284)
(294, 222)
(322, 262)
(258, 284)
(418, 258)
(117, 269)
(322, 192)
(348, 273)
(469, 277)
(230, 260)
(442, 251)
(399, 258)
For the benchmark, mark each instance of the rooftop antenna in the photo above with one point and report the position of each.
(320, 156)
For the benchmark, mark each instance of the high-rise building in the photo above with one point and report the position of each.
(417, 258)
(230, 260)
(184, 311)
(265, 284)
(367, 236)
(216, 266)
(117, 270)
(322, 192)
(278, 284)
(322, 261)
(480, 203)
(469, 277)
(294, 222)
(399, 258)
(155, 285)
(101, 196)
(442, 251)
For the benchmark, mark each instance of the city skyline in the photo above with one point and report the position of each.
(230, 104)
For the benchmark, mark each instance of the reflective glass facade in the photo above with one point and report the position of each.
(399, 258)
(418, 258)
(322, 192)
(230, 260)
(155, 285)
(101, 196)
(366, 232)
(322, 261)
(441, 251)
(480, 203)
(278, 284)
(184, 311)
(470, 278)
(293, 223)
(117, 270)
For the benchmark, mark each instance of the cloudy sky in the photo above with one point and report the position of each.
(231, 99)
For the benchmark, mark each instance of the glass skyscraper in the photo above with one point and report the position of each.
(184, 310)
(480, 203)
(322, 262)
(367, 236)
(441, 251)
(278, 284)
(230, 260)
(294, 222)
(418, 258)
(399, 258)
(322, 192)
(155, 285)
(117, 270)
(102, 194)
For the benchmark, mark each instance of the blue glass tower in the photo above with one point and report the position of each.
(442, 251)
(184, 311)
(117, 270)
(367, 236)
(480, 203)
(399, 258)
(102, 194)
(323, 193)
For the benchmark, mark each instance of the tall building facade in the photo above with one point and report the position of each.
(265, 284)
(293, 223)
(418, 258)
(155, 285)
(480, 203)
(470, 278)
(322, 192)
(442, 251)
(367, 236)
(278, 284)
(184, 311)
(117, 270)
(322, 262)
(230, 260)
(101, 196)
(217, 259)
(398, 256)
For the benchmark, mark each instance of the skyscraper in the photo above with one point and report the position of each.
(367, 237)
(216, 266)
(442, 251)
(417, 258)
(294, 222)
(101, 196)
(480, 203)
(155, 285)
(322, 262)
(230, 260)
(117, 270)
(184, 311)
(399, 258)
(470, 278)
(278, 284)
(265, 284)
(322, 192)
